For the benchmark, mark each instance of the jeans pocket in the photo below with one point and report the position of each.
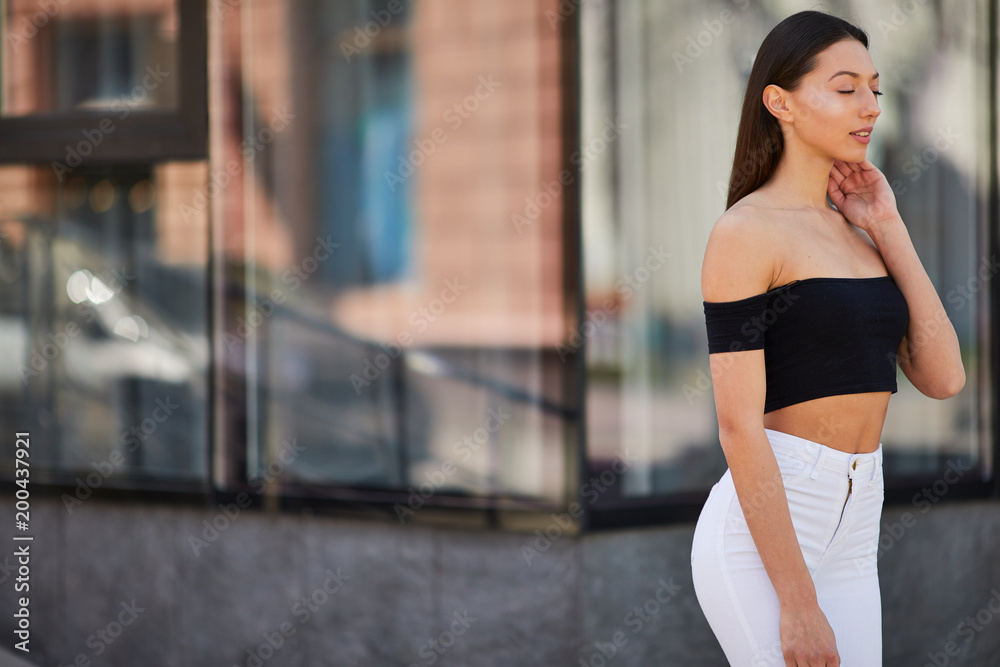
(793, 469)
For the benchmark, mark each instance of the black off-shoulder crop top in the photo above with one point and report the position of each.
(820, 336)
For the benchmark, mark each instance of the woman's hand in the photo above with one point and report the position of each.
(806, 638)
(862, 193)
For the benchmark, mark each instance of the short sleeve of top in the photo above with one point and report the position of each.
(734, 326)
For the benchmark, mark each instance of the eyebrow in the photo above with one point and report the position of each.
(853, 74)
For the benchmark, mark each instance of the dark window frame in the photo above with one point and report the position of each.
(141, 136)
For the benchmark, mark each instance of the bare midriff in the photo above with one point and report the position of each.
(849, 423)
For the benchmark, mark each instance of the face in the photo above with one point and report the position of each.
(830, 105)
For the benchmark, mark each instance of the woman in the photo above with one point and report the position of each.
(809, 308)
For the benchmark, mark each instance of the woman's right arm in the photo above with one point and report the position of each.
(739, 262)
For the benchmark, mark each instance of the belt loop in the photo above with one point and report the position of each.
(814, 473)
(876, 463)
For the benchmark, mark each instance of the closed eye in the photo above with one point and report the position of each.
(848, 92)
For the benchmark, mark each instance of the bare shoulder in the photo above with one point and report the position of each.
(740, 257)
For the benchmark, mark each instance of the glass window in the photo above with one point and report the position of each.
(65, 56)
(100, 83)
(392, 190)
(676, 73)
(103, 292)
(387, 313)
(102, 300)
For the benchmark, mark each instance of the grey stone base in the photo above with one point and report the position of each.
(122, 585)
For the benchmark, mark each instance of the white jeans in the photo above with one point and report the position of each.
(835, 499)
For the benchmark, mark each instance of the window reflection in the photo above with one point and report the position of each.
(664, 184)
(104, 320)
(72, 56)
(406, 331)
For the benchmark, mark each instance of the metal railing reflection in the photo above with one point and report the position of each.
(351, 419)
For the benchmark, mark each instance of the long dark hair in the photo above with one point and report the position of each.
(788, 53)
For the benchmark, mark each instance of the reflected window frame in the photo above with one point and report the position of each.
(146, 136)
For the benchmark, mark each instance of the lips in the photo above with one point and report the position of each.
(863, 131)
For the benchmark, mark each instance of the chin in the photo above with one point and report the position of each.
(854, 156)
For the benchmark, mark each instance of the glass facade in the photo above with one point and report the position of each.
(673, 74)
(387, 312)
(425, 253)
(104, 304)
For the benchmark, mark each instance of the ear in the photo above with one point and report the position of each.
(775, 101)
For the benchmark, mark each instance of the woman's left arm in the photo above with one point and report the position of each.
(929, 354)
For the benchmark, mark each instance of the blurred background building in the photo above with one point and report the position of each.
(369, 332)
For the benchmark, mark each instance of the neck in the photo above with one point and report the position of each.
(801, 179)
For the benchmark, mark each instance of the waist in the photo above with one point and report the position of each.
(847, 422)
(864, 464)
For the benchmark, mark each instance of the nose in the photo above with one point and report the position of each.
(872, 109)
